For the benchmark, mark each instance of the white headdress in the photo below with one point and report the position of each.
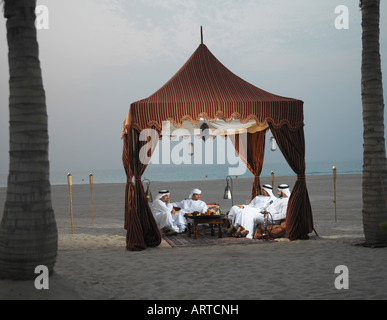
(269, 189)
(162, 193)
(285, 189)
(194, 191)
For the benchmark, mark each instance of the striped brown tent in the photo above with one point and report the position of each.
(205, 89)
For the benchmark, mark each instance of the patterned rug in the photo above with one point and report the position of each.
(182, 240)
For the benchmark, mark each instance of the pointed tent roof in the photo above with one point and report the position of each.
(205, 88)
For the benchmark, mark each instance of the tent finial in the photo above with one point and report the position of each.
(201, 34)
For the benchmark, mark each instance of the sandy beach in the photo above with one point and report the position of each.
(94, 264)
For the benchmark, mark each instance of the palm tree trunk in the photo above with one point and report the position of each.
(374, 154)
(28, 232)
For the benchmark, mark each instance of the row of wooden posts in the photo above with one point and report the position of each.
(70, 184)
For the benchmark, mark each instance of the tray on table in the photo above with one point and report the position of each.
(211, 219)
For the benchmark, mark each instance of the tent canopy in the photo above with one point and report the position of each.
(204, 90)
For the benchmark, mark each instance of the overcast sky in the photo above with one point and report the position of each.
(99, 56)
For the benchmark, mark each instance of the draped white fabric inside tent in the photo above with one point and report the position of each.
(219, 127)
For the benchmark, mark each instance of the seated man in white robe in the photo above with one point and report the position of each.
(258, 202)
(276, 214)
(166, 217)
(244, 218)
(276, 211)
(192, 204)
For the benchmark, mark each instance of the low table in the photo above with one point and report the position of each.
(213, 220)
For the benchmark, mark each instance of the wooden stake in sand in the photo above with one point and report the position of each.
(272, 179)
(91, 190)
(334, 190)
(70, 183)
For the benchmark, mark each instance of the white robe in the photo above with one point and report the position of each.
(164, 218)
(278, 209)
(189, 205)
(251, 215)
(277, 212)
(235, 211)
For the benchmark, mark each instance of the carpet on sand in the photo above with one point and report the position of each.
(205, 239)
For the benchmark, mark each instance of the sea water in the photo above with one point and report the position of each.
(195, 172)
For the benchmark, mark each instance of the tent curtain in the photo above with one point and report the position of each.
(142, 230)
(252, 154)
(129, 189)
(299, 220)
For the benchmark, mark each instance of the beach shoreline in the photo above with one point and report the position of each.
(93, 263)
